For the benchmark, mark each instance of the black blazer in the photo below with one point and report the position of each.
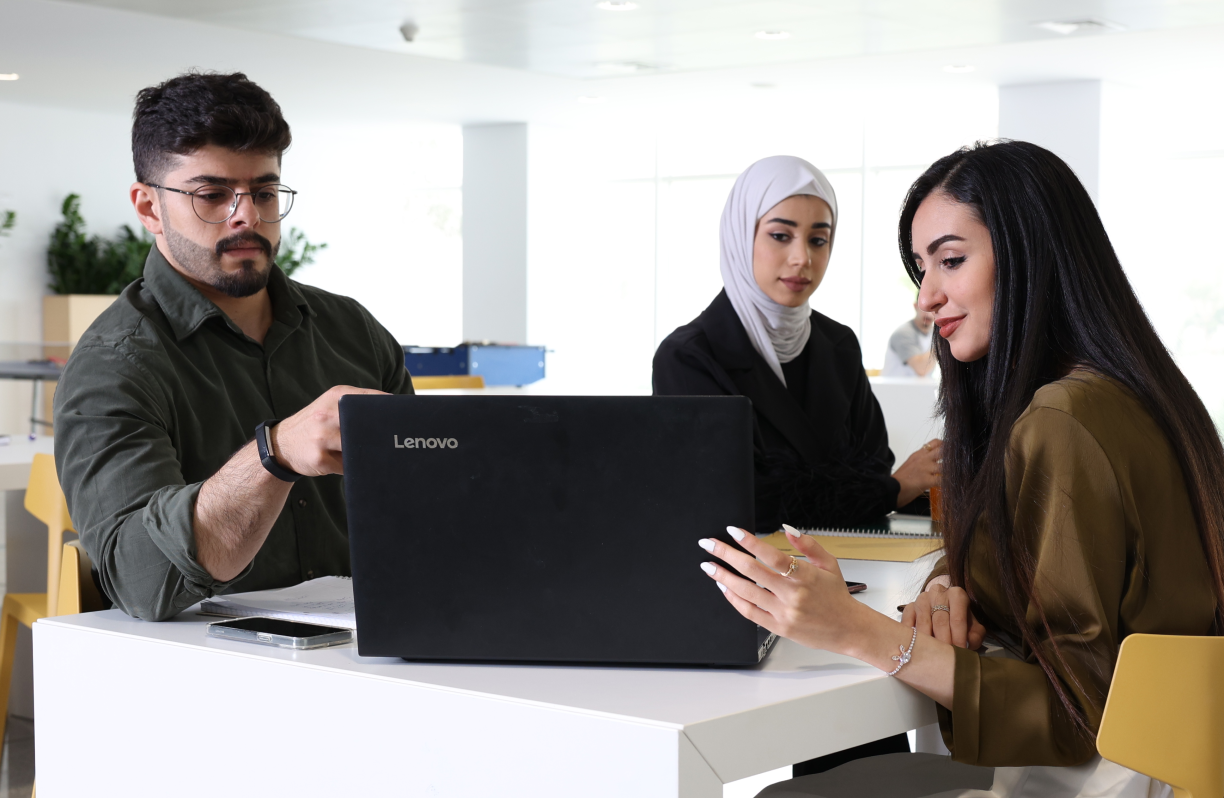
(824, 463)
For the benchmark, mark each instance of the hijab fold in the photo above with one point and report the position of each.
(778, 333)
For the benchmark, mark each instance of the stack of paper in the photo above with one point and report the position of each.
(327, 601)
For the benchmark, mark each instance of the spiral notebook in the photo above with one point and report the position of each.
(899, 538)
(327, 600)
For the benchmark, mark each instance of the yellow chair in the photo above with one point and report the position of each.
(77, 590)
(455, 381)
(1165, 713)
(45, 501)
(873, 372)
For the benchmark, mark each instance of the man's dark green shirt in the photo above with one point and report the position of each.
(162, 389)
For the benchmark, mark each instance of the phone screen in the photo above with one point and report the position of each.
(274, 626)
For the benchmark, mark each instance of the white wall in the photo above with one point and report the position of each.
(46, 154)
(624, 223)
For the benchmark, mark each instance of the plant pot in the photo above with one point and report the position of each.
(66, 317)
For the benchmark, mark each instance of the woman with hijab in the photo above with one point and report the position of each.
(1081, 490)
(821, 447)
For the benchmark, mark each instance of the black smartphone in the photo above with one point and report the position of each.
(281, 633)
(856, 587)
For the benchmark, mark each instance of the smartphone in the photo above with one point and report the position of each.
(282, 634)
(856, 587)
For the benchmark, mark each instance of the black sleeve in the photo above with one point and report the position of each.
(854, 485)
(684, 368)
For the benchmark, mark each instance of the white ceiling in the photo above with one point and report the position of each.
(85, 56)
(576, 39)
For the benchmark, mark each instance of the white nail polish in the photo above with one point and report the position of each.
(721, 586)
(736, 534)
(709, 568)
(706, 544)
(792, 530)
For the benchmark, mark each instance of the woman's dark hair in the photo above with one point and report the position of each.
(1061, 300)
(196, 109)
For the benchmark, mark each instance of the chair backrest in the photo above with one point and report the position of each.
(45, 501)
(77, 591)
(455, 381)
(1165, 713)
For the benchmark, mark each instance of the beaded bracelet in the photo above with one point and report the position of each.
(905, 656)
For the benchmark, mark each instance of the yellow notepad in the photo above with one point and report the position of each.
(867, 547)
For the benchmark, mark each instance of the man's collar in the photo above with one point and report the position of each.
(186, 308)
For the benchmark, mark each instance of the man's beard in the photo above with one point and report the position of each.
(205, 265)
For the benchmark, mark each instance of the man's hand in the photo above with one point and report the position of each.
(308, 442)
(919, 472)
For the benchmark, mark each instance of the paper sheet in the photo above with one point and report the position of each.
(327, 600)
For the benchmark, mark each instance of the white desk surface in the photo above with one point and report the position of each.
(16, 457)
(796, 705)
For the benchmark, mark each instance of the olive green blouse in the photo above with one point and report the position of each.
(1096, 491)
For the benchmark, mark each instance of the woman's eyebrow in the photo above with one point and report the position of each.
(939, 242)
(785, 221)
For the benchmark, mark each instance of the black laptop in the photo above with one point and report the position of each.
(546, 529)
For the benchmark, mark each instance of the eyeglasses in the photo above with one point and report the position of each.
(216, 204)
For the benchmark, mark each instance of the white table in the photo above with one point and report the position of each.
(143, 709)
(16, 458)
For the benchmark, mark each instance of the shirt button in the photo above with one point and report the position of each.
(301, 502)
(310, 574)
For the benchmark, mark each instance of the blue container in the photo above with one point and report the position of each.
(498, 364)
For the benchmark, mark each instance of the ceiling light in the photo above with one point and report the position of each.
(772, 35)
(957, 69)
(623, 67)
(589, 99)
(1066, 28)
(8, 75)
(764, 85)
(616, 5)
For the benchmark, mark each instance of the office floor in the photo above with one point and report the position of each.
(17, 769)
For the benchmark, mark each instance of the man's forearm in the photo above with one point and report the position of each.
(235, 510)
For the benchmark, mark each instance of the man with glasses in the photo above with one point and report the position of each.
(155, 412)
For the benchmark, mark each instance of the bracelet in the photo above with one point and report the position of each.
(905, 656)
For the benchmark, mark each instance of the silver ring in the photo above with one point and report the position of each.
(794, 564)
(941, 608)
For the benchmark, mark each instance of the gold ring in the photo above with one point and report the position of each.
(794, 564)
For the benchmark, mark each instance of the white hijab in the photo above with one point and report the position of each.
(777, 332)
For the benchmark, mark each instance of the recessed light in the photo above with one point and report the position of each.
(616, 5)
(772, 35)
(764, 85)
(1066, 28)
(957, 69)
(590, 99)
(9, 76)
(623, 67)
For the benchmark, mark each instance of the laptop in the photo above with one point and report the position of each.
(546, 529)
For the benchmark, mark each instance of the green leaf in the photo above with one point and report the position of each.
(82, 264)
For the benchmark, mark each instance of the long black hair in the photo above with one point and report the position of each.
(1061, 300)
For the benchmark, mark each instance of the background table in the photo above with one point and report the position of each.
(150, 709)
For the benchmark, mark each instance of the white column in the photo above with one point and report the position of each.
(495, 233)
(1064, 117)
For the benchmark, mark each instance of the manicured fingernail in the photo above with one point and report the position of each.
(709, 568)
(706, 544)
(790, 530)
(735, 533)
(721, 586)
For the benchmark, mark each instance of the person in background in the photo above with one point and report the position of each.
(1082, 498)
(909, 348)
(820, 445)
(155, 411)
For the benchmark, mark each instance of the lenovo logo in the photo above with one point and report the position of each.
(425, 443)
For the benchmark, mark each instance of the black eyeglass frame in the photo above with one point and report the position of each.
(238, 195)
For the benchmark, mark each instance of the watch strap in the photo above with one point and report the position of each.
(263, 442)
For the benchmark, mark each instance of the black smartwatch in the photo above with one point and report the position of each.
(263, 440)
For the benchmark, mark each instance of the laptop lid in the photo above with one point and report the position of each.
(527, 528)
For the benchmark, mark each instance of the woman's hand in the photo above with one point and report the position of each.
(920, 472)
(954, 625)
(810, 606)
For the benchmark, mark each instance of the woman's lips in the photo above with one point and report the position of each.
(796, 283)
(948, 326)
